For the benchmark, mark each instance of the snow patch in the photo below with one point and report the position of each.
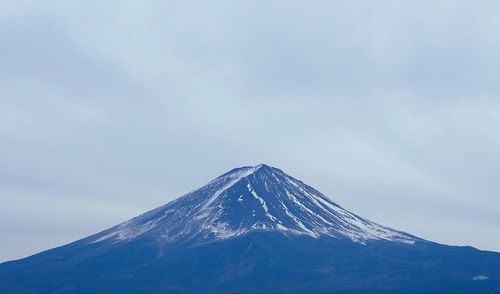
(263, 203)
(480, 278)
(234, 178)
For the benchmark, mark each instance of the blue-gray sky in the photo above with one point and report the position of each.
(111, 108)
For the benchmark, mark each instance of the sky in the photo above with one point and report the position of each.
(112, 108)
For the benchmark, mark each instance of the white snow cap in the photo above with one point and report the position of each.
(249, 199)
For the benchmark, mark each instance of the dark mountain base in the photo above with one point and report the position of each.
(260, 262)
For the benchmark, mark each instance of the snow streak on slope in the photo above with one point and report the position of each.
(250, 199)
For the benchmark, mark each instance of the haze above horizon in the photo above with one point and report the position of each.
(111, 108)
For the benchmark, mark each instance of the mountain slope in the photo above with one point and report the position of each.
(250, 199)
(253, 230)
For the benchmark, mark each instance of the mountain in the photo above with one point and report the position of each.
(253, 230)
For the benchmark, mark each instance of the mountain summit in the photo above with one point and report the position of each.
(253, 229)
(248, 199)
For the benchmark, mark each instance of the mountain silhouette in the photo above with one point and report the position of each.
(253, 230)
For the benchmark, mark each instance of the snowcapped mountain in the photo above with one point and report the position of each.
(253, 230)
(249, 199)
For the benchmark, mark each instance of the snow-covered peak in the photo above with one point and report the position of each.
(247, 199)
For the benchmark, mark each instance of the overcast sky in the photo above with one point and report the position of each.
(111, 108)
